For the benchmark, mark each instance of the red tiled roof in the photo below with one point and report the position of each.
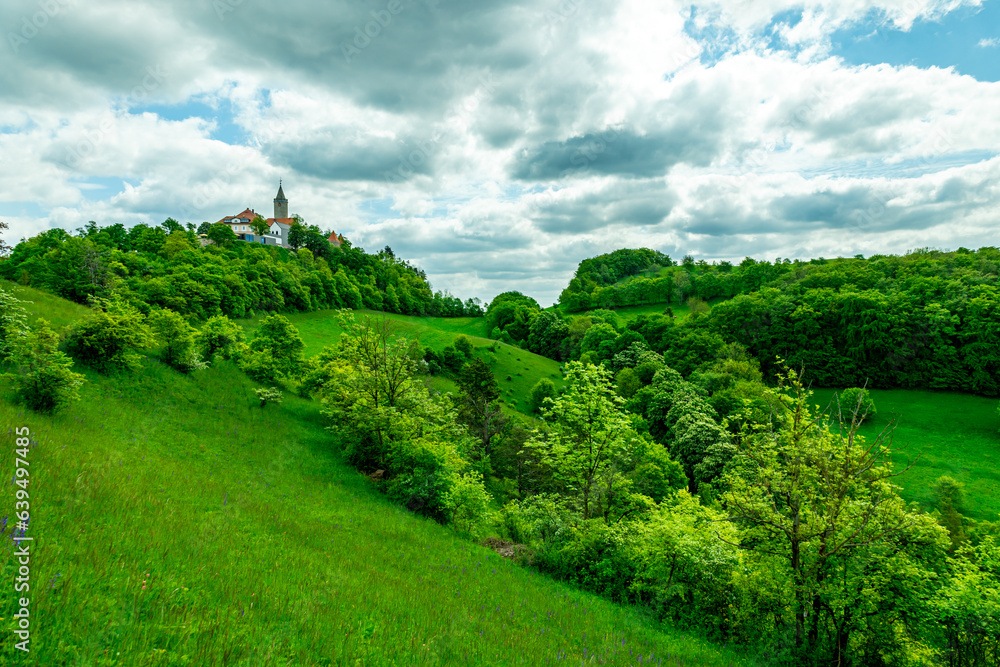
(247, 213)
(284, 221)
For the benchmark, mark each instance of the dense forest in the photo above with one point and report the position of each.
(682, 467)
(166, 267)
(927, 319)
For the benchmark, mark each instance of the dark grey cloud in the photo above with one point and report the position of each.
(632, 204)
(688, 127)
(326, 154)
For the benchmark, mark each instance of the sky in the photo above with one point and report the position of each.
(496, 143)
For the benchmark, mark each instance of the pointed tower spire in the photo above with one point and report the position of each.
(280, 203)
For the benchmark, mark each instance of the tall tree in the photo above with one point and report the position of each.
(823, 503)
(587, 437)
(479, 405)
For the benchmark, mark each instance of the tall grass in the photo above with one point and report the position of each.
(175, 522)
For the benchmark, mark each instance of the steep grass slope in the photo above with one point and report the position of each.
(523, 368)
(175, 522)
(38, 304)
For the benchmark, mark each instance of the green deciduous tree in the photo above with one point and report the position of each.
(388, 420)
(219, 335)
(948, 494)
(297, 234)
(468, 504)
(13, 323)
(547, 335)
(41, 373)
(967, 607)
(823, 506)
(175, 244)
(587, 436)
(221, 234)
(259, 225)
(479, 406)
(856, 403)
(464, 346)
(537, 399)
(177, 338)
(276, 351)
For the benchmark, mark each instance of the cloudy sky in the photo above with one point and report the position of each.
(496, 143)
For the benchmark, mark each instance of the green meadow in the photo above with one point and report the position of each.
(940, 433)
(176, 522)
(38, 304)
(516, 370)
(936, 433)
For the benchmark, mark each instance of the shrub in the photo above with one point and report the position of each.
(41, 374)
(451, 359)
(275, 351)
(109, 339)
(268, 395)
(177, 337)
(468, 503)
(220, 335)
(464, 346)
(543, 389)
(857, 401)
(13, 325)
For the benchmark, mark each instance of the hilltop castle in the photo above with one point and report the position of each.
(277, 233)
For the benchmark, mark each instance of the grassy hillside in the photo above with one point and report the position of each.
(175, 522)
(927, 429)
(941, 434)
(522, 367)
(59, 312)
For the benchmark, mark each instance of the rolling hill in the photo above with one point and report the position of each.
(176, 522)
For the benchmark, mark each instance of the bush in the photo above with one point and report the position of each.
(109, 339)
(543, 389)
(219, 336)
(468, 503)
(268, 395)
(452, 360)
(177, 337)
(464, 346)
(13, 324)
(276, 351)
(41, 375)
(857, 401)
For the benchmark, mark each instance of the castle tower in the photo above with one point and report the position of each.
(280, 204)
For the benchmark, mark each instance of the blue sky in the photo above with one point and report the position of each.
(953, 41)
(498, 144)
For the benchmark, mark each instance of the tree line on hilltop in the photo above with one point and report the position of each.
(165, 267)
(923, 320)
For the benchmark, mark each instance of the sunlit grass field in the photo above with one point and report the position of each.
(37, 304)
(940, 433)
(523, 368)
(176, 522)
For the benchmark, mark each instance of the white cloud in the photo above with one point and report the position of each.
(991, 42)
(774, 153)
